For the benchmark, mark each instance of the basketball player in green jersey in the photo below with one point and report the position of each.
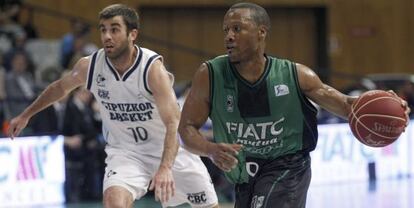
(263, 122)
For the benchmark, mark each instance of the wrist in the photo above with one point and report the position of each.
(165, 166)
(210, 146)
(25, 115)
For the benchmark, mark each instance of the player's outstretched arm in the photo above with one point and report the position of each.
(54, 92)
(160, 84)
(322, 94)
(195, 113)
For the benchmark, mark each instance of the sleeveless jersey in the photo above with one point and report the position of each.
(130, 118)
(270, 117)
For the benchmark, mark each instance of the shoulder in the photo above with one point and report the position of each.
(201, 78)
(202, 71)
(215, 65)
(157, 72)
(308, 79)
(157, 65)
(304, 71)
(218, 60)
(81, 68)
(96, 57)
(146, 50)
(150, 54)
(83, 63)
(281, 62)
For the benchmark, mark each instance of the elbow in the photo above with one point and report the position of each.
(183, 140)
(185, 137)
(186, 147)
(182, 133)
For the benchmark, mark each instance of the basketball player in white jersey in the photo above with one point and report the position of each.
(140, 118)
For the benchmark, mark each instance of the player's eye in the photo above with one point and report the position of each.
(237, 28)
(226, 30)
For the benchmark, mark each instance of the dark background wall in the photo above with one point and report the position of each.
(340, 39)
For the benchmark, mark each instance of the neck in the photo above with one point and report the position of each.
(125, 60)
(252, 69)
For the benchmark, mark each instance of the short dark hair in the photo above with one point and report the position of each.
(129, 15)
(259, 14)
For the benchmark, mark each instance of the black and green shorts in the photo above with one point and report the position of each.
(278, 183)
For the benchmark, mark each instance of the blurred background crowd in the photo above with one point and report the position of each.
(29, 61)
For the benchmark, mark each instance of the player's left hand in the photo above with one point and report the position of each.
(163, 184)
(407, 111)
(405, 105)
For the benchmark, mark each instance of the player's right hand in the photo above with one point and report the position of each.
(163, 184)
(224, 155)
(16, 125)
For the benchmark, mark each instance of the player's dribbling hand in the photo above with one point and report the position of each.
(224, 155)
(405, 105)
(407, 112)
(16, 126)
(163, 184)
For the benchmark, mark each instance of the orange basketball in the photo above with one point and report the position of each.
(377, 118)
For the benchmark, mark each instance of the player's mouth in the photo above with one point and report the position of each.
(109, 48)
(230, 49)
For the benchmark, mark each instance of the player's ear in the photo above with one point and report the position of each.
(133, 34)
(262, 31)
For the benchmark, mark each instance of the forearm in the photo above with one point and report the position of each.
(336, 102)
(322, 94)
(194, 141)
(170, 147)
(343, 108)
(50, 95)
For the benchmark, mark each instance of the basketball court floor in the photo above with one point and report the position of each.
(395, 193)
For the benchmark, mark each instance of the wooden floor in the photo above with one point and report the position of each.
(395, 193)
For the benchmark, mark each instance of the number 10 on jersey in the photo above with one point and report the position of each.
(140, 133)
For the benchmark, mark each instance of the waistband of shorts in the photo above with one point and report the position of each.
(284, 159)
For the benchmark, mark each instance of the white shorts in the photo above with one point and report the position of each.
(193, 184)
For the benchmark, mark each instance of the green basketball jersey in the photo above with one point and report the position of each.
(270, 117)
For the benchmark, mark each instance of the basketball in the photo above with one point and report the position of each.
(377, 118)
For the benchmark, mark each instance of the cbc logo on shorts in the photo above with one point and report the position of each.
(197, 198)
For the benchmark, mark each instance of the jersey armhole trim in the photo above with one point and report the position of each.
(211, 80)
(149, 63)
(302, 96)
(91, 71)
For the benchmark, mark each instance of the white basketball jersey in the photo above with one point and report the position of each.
(130, 118)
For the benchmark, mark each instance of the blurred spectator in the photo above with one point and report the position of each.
(9, 28)
(48, 75)
(84, 152)
(81, 47)
(26, 18)
(50, 120)
(5, 41)
(2, 94)
(20, 85)
(360, 87)
(9, 9)
(19, 46)
(2, 79)
(76, 42)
